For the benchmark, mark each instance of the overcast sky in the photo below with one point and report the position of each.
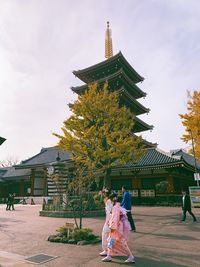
(43, 41)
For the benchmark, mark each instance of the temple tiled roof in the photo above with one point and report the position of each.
(187, 157)
(3, 171)
(12, 172)
(46, 155)
(155, 158)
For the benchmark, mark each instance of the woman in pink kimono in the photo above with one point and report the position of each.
(106, 229)
(119, 228)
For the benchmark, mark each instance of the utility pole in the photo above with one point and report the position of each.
(195, 160)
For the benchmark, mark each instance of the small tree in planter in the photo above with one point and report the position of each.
(161, 187)
(78, 185)
(70, 233)
(67, 234)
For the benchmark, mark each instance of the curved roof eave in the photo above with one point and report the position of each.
(144, 124)
(102, 64)
(121, 75)
(132, 99)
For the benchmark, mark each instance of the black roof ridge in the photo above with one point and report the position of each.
(121, 71)
(188, 158)
(150, 127)
(44, 149)
(113, 58)
(168, 154)
(123, 89)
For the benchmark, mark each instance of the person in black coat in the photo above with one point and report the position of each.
(9, 201)
(186, 206)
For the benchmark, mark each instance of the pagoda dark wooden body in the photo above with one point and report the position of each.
(121, 77)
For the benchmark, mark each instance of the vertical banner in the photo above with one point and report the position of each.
(195, 196)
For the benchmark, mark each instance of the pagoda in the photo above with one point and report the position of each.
(121, 77)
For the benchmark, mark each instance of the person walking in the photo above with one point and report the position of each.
(186, 206)
(13, 201)
(106, 230)
(126, 204)
(119, 226)
(9, 201)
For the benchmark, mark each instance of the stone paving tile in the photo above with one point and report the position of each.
(161, 239)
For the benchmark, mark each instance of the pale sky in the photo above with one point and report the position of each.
(43, 41)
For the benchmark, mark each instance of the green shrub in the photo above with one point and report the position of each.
(83, 234)
(64, 231)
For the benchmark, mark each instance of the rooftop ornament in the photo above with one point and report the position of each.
(108, 42)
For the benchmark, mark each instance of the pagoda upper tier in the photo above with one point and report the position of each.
(121, 77)
(117, 80)
(106, 68)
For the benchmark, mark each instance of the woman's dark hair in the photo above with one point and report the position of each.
(106, 191)
(113, 195)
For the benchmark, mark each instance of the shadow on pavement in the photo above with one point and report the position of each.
(10, 220)
(170, 236)
(142, 262)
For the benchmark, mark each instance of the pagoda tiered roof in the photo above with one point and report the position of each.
(121, 78)
(115, 82)
(107, 67)
(141, 126)
(131, 103)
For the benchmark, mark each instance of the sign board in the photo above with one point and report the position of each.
(29, 190)
(147, 193)
(70, 226)
(134, 193)
(195, 195)
(196, 176)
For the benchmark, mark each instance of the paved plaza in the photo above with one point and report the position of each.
(161, 239)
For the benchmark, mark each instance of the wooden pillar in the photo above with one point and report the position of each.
(32, 181)
(136, 182)
(45, 182)
(170, 186)
(21, 188)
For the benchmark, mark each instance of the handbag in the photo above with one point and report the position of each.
(111, 242)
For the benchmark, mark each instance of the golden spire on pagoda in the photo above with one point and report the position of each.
(108, 42)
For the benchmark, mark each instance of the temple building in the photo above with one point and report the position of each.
(32, 178)
(175, 169)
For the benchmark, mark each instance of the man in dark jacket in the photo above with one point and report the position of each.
(126, 203)
(9, 200)
(186, 206)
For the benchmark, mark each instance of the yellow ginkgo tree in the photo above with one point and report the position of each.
(191, 122)
(99, 132)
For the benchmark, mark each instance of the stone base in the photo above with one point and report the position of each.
(69, 214)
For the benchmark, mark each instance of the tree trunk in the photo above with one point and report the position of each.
(81, 212)
(107, 178)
